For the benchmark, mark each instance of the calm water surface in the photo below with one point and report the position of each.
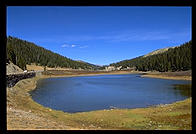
(87, 93)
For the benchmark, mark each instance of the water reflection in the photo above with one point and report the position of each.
(183, 89)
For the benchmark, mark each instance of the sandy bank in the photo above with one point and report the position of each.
(24, 113)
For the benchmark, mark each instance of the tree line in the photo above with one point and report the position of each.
(22, 52)
(175, 59)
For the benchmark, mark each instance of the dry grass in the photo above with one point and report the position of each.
(41, 68)
(181, 75)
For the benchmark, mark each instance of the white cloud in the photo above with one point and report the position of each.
(73, 45)
(68, 45)
(65, 45)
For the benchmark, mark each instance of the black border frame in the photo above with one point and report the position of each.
(98, 3)
(3, 35)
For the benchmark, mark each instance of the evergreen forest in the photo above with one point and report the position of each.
(22, 52)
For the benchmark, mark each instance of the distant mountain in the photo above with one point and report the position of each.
(22, 52)
(159, 51)
(94, 66)
(168, 59)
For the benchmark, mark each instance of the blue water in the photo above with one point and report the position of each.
(87, 93)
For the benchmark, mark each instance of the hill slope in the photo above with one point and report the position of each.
(173, 59)
(22, 52)
(159, 51)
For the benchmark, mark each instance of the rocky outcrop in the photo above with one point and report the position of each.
(12, 79)
(12, 69)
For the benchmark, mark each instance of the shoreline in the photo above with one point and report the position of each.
(160, 75)
(183, 75)
(44, 114)
(167, 77)
(94, 74)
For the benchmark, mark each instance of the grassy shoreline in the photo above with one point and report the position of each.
(160, 76)
(24, 113)
(181, 75)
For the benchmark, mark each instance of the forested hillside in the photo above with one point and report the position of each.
(22, 52)
(175, 59)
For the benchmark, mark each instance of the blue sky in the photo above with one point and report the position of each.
(101, 35)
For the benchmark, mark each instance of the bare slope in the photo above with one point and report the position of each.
(159, 51)
(12, 69)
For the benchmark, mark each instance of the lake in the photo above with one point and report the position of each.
(89, 93)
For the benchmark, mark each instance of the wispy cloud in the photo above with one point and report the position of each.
(73, 46)
(68, 45)
(65, 45)
(118, 36)
(139, 35)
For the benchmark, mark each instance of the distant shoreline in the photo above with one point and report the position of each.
(183, 75)
(167, 77)
(91, 74)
